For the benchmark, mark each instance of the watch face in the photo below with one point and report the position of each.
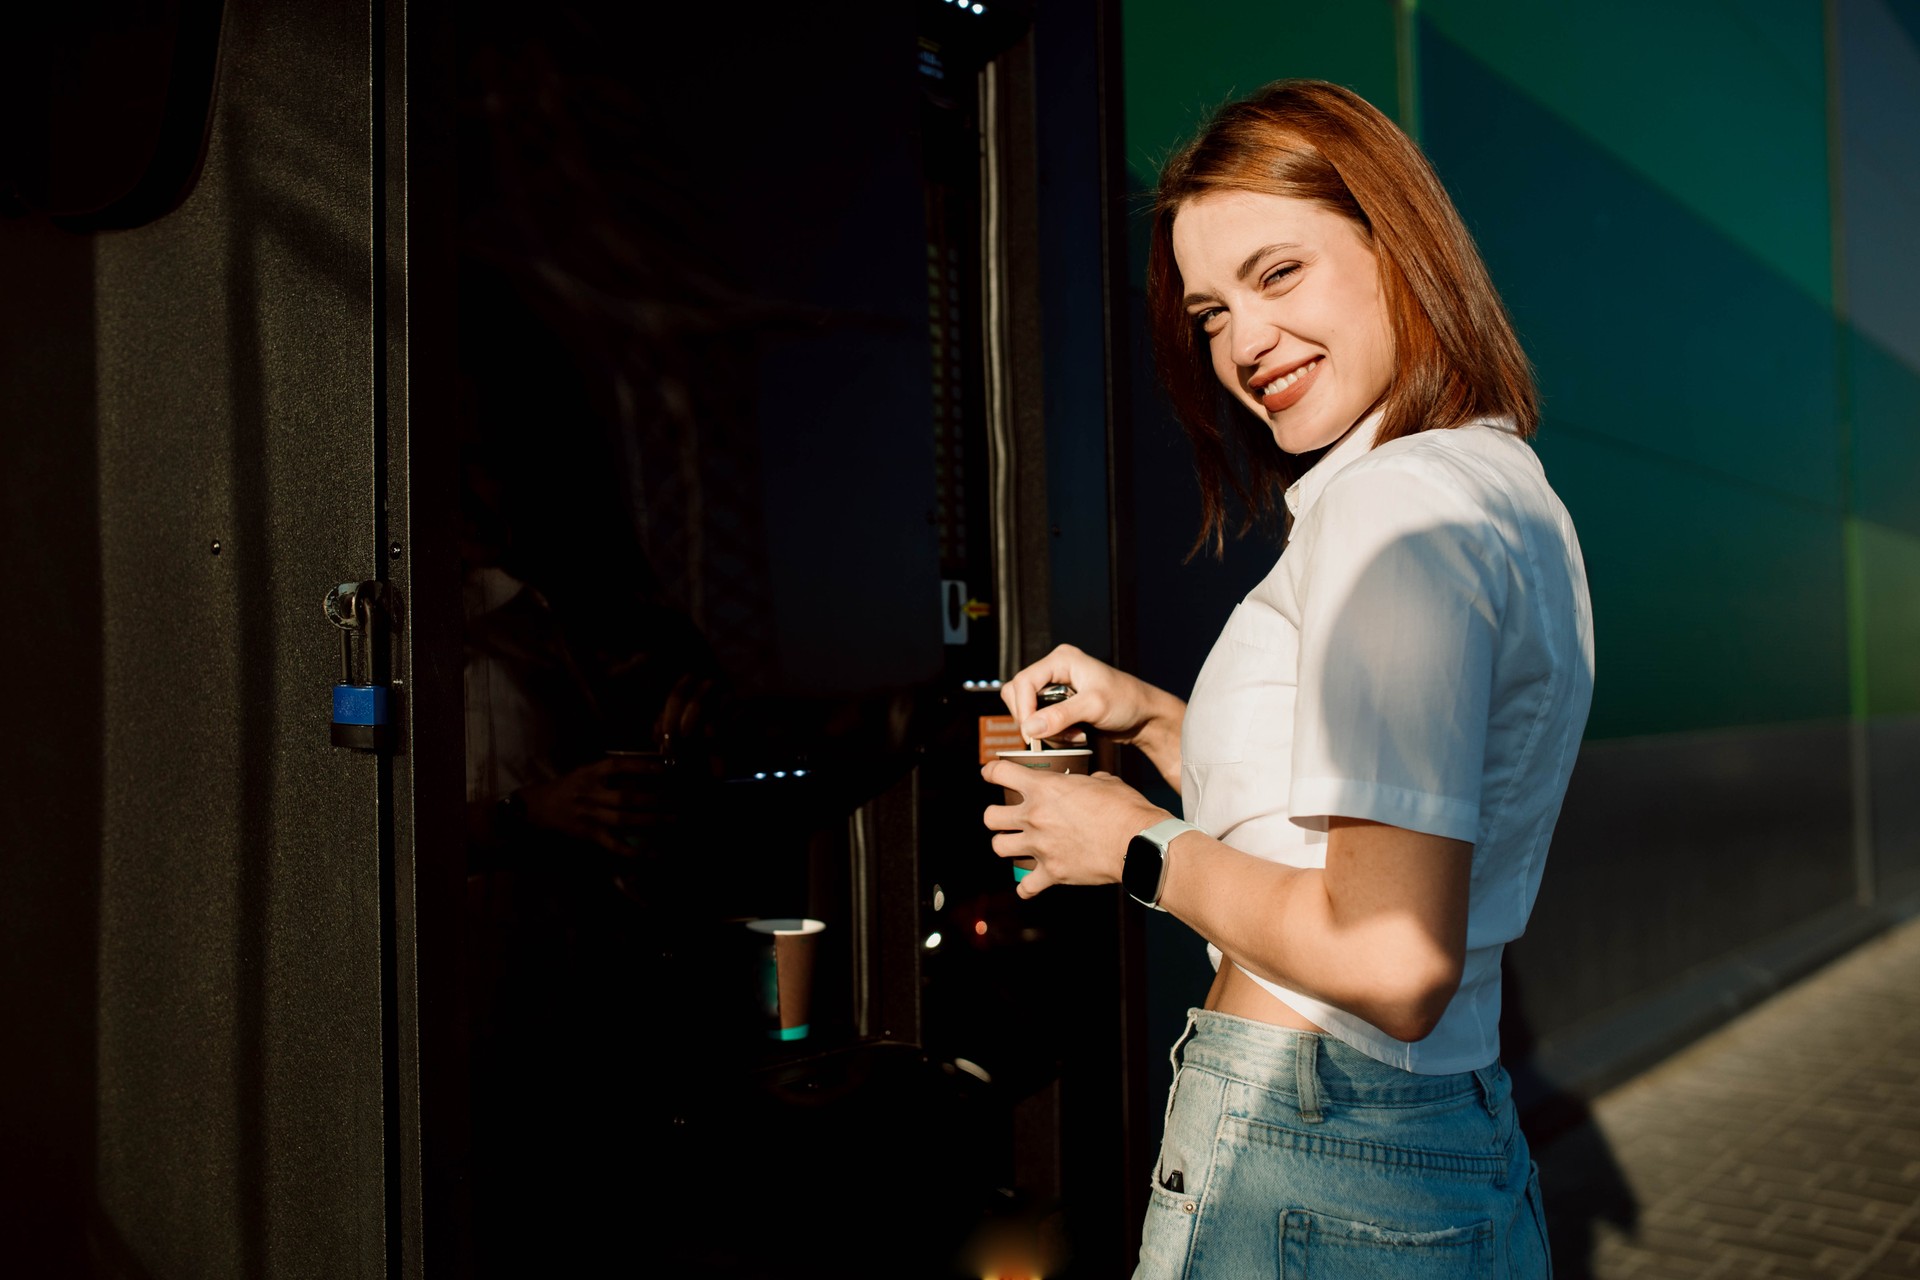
(1140, 874)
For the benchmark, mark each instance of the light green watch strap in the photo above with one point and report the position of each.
(1162, 833)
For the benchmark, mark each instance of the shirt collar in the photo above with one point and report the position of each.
(1304, 492)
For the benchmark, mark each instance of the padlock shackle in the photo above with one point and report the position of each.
(351, 606)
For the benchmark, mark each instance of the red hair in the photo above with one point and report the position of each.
(1455, 353)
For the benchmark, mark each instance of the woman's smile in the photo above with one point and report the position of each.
(1286, 391)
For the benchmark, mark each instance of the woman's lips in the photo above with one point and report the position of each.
(1285, 397)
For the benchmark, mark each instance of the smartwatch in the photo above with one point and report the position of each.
(1144, 871)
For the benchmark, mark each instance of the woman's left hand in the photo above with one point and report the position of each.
(1075, 827)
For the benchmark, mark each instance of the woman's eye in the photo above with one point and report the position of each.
(1210, 321)
(1278, 274)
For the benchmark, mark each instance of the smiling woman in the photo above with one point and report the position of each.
(1328, 152)
(1376, 750)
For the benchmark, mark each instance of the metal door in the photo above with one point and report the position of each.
(210, 939)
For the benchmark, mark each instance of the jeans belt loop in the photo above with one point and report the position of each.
(1483, 1076)
(1173, 1056)
(1306, 1075)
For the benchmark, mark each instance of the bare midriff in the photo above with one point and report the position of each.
(1235, 993)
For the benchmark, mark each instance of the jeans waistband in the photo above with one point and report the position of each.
(1316, 1068)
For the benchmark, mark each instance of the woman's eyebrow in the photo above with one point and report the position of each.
(1245, 270)
(1253, 259)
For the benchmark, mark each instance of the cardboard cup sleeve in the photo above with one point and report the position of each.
(785, 973)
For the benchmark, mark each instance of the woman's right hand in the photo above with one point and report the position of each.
(614, 803)
(1105, 698)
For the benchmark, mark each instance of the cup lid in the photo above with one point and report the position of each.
(786, 925)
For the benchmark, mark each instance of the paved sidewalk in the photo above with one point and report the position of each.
(1785, 1144)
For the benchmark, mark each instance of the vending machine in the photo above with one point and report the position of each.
(756, 524)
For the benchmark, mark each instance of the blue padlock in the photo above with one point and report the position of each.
(359, 705)
(360, 716)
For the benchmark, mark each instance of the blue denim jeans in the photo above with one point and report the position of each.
(1289, 1154)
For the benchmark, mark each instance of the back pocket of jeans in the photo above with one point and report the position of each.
(1317, 1246)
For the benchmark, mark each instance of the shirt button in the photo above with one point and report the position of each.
(1189, 1206)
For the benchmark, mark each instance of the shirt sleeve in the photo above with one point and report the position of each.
(1400, 602)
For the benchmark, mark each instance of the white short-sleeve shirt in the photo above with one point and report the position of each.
(1422, 655)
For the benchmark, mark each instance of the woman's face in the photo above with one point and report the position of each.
(1287, 295)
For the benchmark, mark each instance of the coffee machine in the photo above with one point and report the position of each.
(757, 481)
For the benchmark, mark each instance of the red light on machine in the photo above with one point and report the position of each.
(980, 927)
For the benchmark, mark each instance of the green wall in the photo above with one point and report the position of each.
(1700, 213)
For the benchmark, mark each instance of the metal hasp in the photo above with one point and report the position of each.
(359, 705)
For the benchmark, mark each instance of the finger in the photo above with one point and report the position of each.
(1033, 882)
(621, 819)
(1054, 721)
(1013, 844)
(1015, 777)
(696, 708)
(1020, 697)
(606, 808)
(674, 709)
(635, 786)
(605, 805)
(602, 815)
(1101, 773)
(624, 801)
(1022, 693)
(1001, 817)
(606, 840)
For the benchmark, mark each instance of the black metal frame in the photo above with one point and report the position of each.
(423, 834)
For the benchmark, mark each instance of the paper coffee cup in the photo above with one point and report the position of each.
(1061, 760)
(786, 974)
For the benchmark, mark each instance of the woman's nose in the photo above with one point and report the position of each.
(1252, 337)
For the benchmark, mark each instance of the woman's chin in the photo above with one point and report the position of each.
(1297, 439)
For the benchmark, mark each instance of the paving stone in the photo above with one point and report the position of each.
(1784, 1241)
(1860, 1242)
(1784, 1145)
(1889, 1271)
(1667, 1242)
(1726, 1217)
(1885, 1189)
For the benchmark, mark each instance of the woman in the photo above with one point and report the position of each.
(1377, 747)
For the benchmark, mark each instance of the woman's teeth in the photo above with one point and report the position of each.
(1276, 387)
